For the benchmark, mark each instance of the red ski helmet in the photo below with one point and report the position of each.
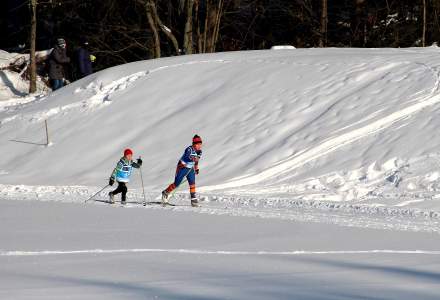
(128, 152)
(197, 139)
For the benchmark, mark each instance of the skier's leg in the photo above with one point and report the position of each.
(180, 174)
(124, 193)
(118, 190)
(192, 187)
(192, 183)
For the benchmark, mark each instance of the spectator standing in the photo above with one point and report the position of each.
(84, 60)
(57, 61)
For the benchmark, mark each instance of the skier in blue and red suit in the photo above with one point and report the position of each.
(188, 166)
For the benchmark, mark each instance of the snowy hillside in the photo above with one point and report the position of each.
(312, 124)
(320, 179)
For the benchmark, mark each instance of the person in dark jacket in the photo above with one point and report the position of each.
(58, 58)
(84, 60)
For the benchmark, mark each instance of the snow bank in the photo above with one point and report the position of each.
(283, 47)
(13, 87)
(320, 124)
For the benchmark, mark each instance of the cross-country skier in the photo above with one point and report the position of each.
(188, 166)
(122, 174)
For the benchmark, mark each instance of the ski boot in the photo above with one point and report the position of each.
(165, 196)
(111, 198)
(195, 202)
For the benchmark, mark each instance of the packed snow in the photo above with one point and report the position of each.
(52, 250)
(315, 162)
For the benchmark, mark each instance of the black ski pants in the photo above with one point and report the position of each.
(122, 188)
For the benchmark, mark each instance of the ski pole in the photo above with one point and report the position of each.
(97, 193)
(142, 181)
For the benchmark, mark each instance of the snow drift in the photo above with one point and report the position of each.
(327, 124)
(14, 86)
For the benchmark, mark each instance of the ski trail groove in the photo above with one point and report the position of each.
(333, 143)
(103, 93)
(214, 252)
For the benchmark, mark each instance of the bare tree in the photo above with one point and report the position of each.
(424, 24)
(324, 22)
(359, 30)
(154, 28)
(188, 37)
(199, 40)
(33, 37)
(166, 30)
(156, 24)
(214, 13)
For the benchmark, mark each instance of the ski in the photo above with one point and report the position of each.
(118, 202)
(136, 203)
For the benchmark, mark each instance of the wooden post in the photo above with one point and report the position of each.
(47, 133)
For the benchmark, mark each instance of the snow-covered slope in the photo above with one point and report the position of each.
(319, 124)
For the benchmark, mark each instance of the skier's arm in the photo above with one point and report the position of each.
(137, 164)
(113, 176)
(196, 165)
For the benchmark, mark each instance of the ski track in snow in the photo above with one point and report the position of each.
(332, 144)
(297, 210)
(213, 252)
(102, 94)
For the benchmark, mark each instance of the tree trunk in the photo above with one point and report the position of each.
(205, 31)
(217, 24)
(33, 64)
(212, 25)
(210, 21)
(324, 21)
(436, 20)
(153, 26)
(199, 40)
(424, 24)
(167, 31)
(188, 37)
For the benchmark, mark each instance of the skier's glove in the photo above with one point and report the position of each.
(197, 171)
(139, 162)
(199, 152)
(111, 181)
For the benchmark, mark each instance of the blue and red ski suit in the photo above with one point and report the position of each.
(188, 166)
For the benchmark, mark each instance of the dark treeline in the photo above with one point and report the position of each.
(121, 31)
